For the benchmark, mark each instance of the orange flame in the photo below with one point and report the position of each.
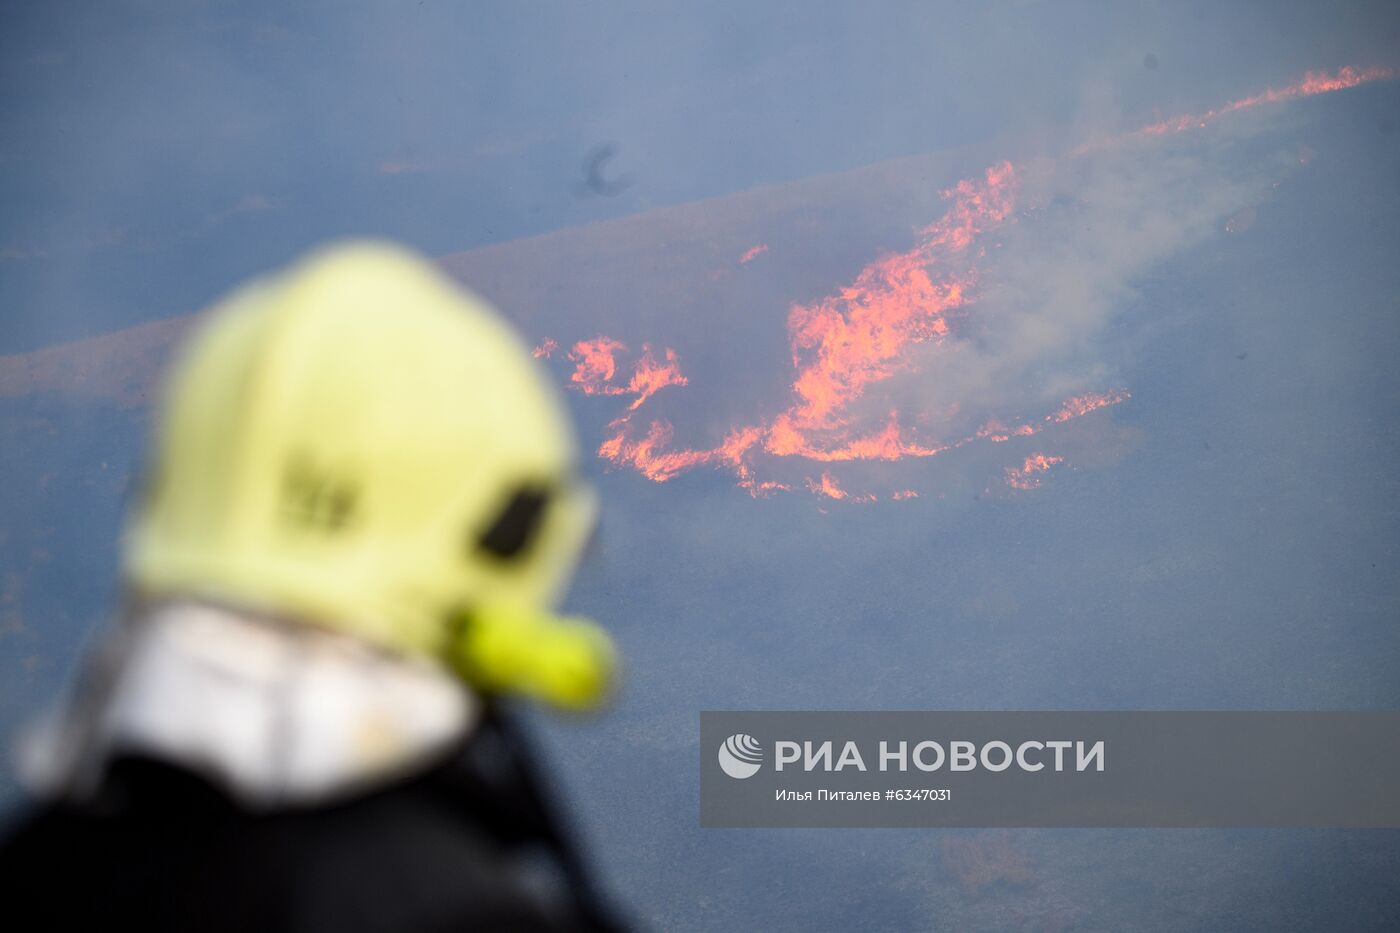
(752, 253)
(827, 486)
(650, 377)
(863, 334)
(859, 335)
(998, 433)
(1025, 476)
(595, 366)
(1314, 82)
(546, 348)
(1083, 404)
(850, 341)
(647, 455)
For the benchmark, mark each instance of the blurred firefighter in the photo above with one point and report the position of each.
(361, 511)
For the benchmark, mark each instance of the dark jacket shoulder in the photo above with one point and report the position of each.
(161, 849)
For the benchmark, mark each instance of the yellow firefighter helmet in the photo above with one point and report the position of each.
(359, 443)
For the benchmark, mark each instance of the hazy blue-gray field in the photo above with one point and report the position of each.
(1227, 538)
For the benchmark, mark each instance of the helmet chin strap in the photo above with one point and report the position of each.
(565, 661)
